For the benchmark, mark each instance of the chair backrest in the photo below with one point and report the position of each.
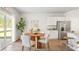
(46, 35)
(25, 40)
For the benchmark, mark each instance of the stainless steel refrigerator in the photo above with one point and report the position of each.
(63, 27)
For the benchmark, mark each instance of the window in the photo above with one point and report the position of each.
(5, 30)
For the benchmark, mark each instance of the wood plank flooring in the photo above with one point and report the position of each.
(54, 45)
(58, 45)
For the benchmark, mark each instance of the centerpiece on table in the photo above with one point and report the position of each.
(35, 30)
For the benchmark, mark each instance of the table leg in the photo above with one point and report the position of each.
(36, 42)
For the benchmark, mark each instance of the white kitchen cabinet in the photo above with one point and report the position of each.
(61, 18)
(53, 34)
(51, 21)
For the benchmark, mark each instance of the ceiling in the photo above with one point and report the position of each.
(45, 9)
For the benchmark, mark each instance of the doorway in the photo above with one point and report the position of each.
(5, 30)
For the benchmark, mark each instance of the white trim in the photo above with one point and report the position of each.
(13, 29)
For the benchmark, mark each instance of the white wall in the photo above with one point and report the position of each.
(42, 18)
(73, 16)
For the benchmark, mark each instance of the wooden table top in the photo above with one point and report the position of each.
(37, 34)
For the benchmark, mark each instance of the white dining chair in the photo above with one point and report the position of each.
(44, 40)
(26, 42)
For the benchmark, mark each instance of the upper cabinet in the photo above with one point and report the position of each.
(53, 20)
(61, 18)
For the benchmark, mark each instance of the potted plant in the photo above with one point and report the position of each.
(77, 43)
(20, 25)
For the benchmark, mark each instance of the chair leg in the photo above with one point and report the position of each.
(30, 49)
(22, 48)
(47, 46)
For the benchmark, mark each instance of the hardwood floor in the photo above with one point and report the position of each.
(58, 45)
(54, 45)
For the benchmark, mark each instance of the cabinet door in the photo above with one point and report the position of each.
(53, 35)
(61, 18)
(51, 21)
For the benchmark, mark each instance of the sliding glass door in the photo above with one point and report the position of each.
(5, 30)
(2, 31)
(8, 29)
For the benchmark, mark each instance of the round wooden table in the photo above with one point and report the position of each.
(36, 35)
